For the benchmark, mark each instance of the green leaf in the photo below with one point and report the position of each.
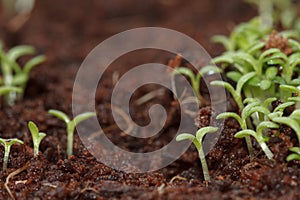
(292, 156)
(230, 114)
(296, 115)
(33, 129)
(184, 71)
(295, 81)
(271, 73)
(8, 89)
(225, 58)
(294, 43)
(203, 131)
(233, 75)
(224, 41)
(210, 69)
(257, 46)
(265, 84)
(83, 116)
(244, 79)
(283, 106)
(185, 136)
(18, 51)
(289, 88)
(32, 63)
(289, 122)
(264, 125)
(245, 133)
(268, 101)
(59, 115)
(295, 150)
(19, 79)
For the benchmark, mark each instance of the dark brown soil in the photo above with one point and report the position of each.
(65, 31)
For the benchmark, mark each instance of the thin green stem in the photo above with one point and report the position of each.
(6, 156)
(70, 139)
(203, 164)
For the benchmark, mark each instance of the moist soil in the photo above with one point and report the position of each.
(66, 31)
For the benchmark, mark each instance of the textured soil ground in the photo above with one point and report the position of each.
(65, 31)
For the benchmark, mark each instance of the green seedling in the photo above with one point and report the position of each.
(71, 124)
(258, 135)
(194, 78)
(243, 120)
(7, 143)
(243, 36)
(236, 93)
(197, 141)
(37, 137)
(295, 155)
(292, 121)
(13, 74)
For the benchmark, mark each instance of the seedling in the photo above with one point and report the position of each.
(7, 143)
(243, 36)
(71, 124)
(253, 107)
(13, 73)
(295, 155)
(258, 135)
(292, 121)
(197, 141)
(236, 93)
(37, 137)
(194, 78)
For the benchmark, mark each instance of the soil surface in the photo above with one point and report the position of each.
(66, 31)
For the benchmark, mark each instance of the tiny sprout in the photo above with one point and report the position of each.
(258, 135)
(251, 108)
(14, 74)
(236, 93)
(197, 141)
(195, 78)
(295, 155)
(292, 121)
(7, 143)
(71, 124)
(37, 137)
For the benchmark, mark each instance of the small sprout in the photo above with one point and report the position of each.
(292, 121)
(71, 124)
(195, 79)
(7, 143)
(251, 108)
(236, 93)
(13, 74)
(197, 141)
(295, 155)
(258, 135)
(37, 137)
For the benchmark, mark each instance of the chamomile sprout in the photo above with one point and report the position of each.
(197, 141)
(13, 74)
(236, 93)
(243, 36)
(293, 121)
(71, 124)
(7, 143)
(295, 155)
(37, 137)
(243, 120)
(194, 78)
(258, 135)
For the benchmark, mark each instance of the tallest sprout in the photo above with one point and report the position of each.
(71, 124)
(197, 141)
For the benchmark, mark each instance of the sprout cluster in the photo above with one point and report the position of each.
(262, 74)
(15, 77)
